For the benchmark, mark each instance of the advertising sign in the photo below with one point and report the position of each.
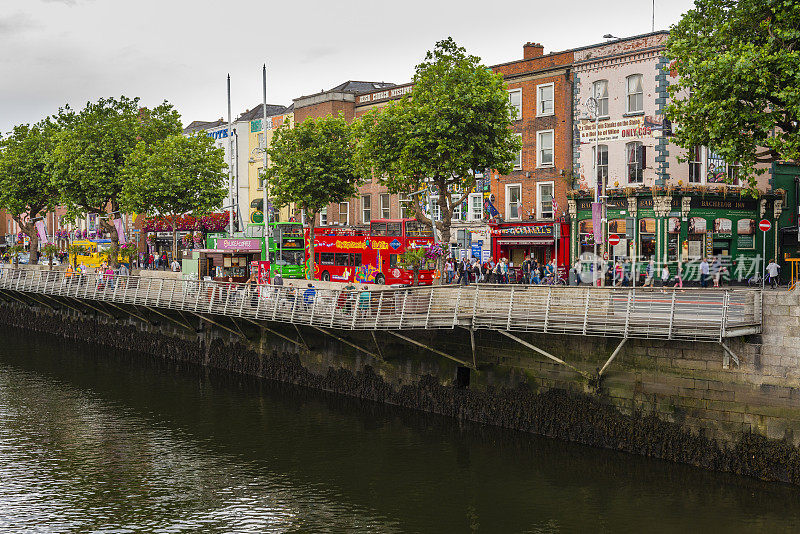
(238, 244)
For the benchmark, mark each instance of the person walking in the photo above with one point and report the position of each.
(176, 267)
(526, 270)
(664, 276)
(772, 273)
(449, 270)
(715, 270)
(164, 260)
(704, 273)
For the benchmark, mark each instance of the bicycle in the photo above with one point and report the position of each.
(552, 281)
(757, 281)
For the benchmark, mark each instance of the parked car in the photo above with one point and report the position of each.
(45, 261)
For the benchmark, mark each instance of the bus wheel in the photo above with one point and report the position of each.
(380, 279)
(326, 276)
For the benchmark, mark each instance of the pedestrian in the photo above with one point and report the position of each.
(526, 269)
(449, 270)
(164, 260)
(626, 273)
(504, 270)
(716, 269)
(308, 296)
(176, 267)
(463, 272)
(536, 275)
(648, 274)
(772, 273)
(153, 261)
(704, 273)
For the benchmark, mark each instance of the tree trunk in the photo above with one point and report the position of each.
(312, 224)
(415, 280)
(174, 238)
(113, 250)
(31, 232)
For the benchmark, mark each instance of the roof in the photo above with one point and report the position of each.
(196, 126)
(257, 113)
(351, 86)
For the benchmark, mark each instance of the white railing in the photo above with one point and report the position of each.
(694, 314)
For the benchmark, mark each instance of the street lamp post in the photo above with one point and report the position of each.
(599, 189)
(264, 184)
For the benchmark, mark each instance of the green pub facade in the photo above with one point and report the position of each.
(678, 228)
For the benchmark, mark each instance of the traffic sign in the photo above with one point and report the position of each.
(764, 225)
(613, 240)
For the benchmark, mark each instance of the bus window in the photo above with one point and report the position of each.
(289, 257)
(289, 231)
(417, 229)
(327, 258)
(394, 229)
(341, 259)
(392, 261)
(355, 259)
(378, 229)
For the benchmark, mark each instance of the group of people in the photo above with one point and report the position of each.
(158, 262)
(466, 271)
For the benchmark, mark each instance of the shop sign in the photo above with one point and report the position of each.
(383, 95)
(218, 134)
(528, 230)
(722, 203)
(238, 244)
(746, 241)
(608, 130)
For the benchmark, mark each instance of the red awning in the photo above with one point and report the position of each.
(525, 240)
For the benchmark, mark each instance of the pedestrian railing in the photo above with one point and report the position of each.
(694, 314)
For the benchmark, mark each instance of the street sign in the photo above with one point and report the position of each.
(613, 240)
(764, 225)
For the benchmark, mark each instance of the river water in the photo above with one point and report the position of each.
(92, 440)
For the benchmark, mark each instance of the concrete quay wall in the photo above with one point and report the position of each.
(672, 400)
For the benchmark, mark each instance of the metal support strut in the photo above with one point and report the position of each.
(544, 353)
(435, 351)
(726, 360)
(613, 355)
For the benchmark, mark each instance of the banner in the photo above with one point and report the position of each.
(41, 230)
(597, 226)
(120, 226)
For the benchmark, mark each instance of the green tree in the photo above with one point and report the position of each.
(313, 165)
(26, 189)
(455, 123)
(93, 152)
(75, 251)
(49, 251)
(738, 90)
(174, 176)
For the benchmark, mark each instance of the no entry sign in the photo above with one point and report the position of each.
(764, 225)
(613, 240)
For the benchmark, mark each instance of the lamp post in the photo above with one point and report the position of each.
(599, 189)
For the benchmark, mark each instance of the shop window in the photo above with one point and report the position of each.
(600, 93)
(635, 94)
(544, 99)
(697, 237)
(695, 166)
(636, 157)
(586, 236)
(344, 213)
(723, 226)
(366, 209)
(385, 213)
(745, 230)
(475, 207)
(544, 148)
(544, 192)
(515, 99)
(697, 225)
(647, 239)
(619, 228)
(323, 216)
(513, 201)
(673, 238)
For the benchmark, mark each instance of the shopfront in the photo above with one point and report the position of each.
(230, 258)
(679, 230)
(515, 241)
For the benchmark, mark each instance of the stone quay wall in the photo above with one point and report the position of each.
(677, 401)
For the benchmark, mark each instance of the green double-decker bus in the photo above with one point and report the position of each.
(286, 249)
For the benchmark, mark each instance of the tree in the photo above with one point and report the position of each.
(93, 152)
(26, 189)
(75, 251)
(313, 165)
(49, 251)
(174, 176)
(455, 123)
(738, 90)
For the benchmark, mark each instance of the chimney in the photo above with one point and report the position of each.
(531, 50)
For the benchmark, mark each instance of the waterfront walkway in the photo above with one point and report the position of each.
(687, 314)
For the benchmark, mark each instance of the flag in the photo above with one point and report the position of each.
(555, 206)
(41, 230)
(118, 224)
(491, 209)
(597, 226)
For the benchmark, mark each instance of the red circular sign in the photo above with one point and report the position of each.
(764, 225)
(613, 240)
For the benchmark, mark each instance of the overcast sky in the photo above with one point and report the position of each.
(54, 52)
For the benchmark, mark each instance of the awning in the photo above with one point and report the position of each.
(525, 240)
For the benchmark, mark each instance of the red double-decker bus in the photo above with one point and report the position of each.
(371, 256)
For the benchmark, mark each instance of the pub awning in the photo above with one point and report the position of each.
(525, 240)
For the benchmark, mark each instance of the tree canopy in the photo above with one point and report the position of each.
(174, 176)
(455, 123)
(738, 91)
(313, 164)
(26, 188)
(94, 148)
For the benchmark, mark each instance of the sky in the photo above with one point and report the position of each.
(57, 52)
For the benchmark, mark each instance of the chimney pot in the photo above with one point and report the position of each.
(531, 50)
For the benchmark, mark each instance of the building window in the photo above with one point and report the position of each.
(405, 206)
(635, 157)
(344, 213)
(602, 163)
(513, 201)
(600, 93)
(437, 210)
(696, 166)
(544, 146)
(475, 207)
(366, 209)
(385, 206)
(544, 99)
(517, 163)
(544, 207)
(515, 99)
(635, 93)
(323, 216)
(260, 174)
(261, 140)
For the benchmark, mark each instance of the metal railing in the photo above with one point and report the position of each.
(693, 314)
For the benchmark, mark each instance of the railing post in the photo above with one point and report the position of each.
(116, 286)
(430, 303)
(547, 308)
(277, 291)
(313, 308)
(213, 294)
(671, 315)
(356, 304)
(201, 288)
(628, 306)
(243, 297)
(586, 311)
(458, 305)
(378, 312)
(337, 295)
(403, 309)
(171, 304)
(259, 291)
(510, 307)
(724, 323)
